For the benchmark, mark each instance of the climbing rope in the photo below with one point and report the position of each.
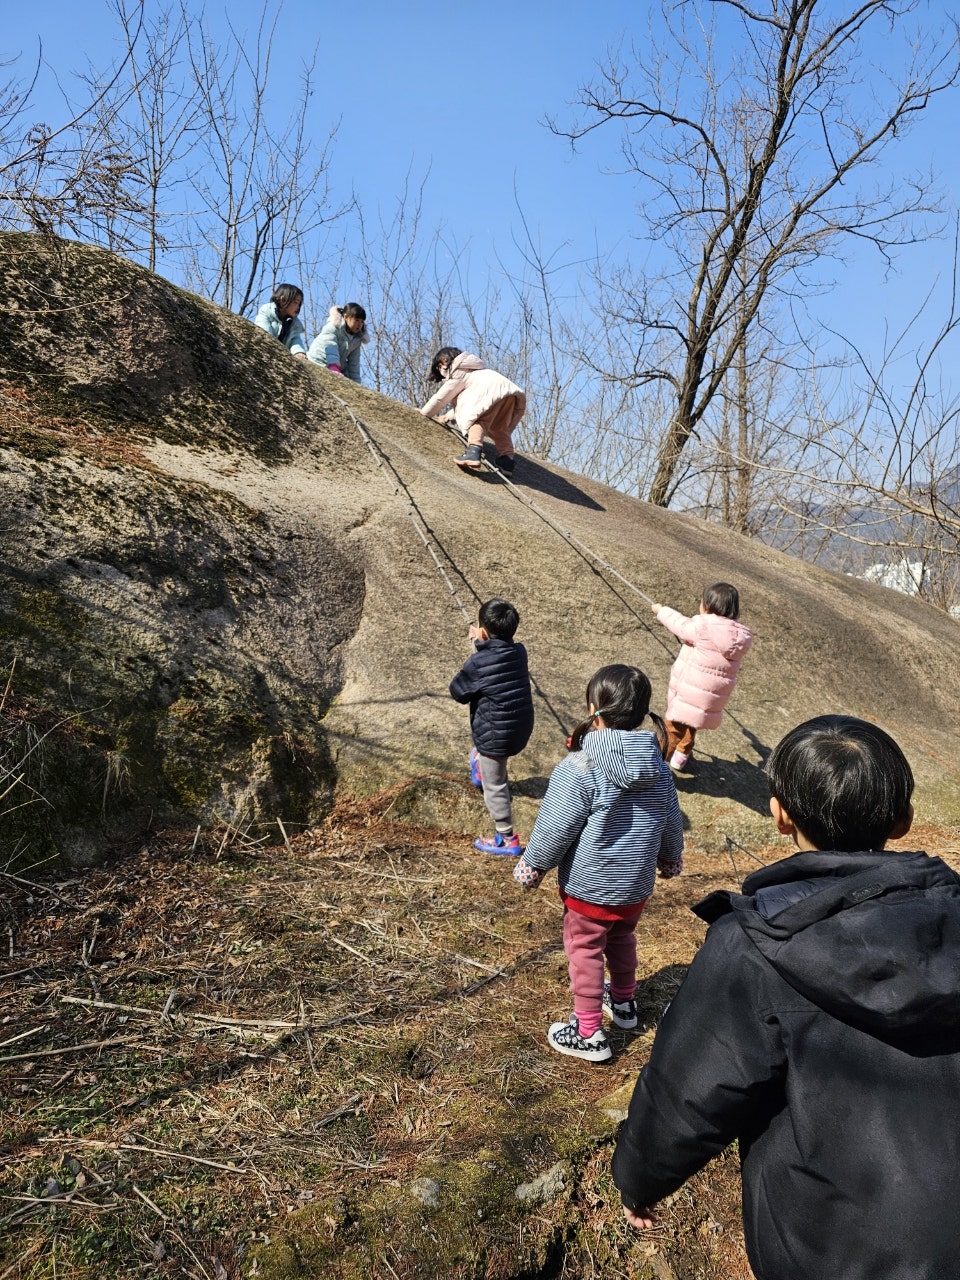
(578, 545)
(732, 844)
(388, 472)
(586, 552)
(399, 488)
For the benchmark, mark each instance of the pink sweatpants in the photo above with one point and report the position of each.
(586, 942)
(498, 423)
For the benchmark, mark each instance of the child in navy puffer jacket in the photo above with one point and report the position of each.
(609, 822)
(496, 683)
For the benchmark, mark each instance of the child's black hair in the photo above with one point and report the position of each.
(446, 355)
(284, 294)
(621, 695)
(722, 599)
(844, 783)
(353, 311)
(499, 618)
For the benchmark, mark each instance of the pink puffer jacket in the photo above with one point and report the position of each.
(472, 387)
(705, 672)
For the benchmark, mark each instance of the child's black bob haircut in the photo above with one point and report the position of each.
(844, 783)
(284, 294)
(446, 356)
(722, 599)
(499, 619)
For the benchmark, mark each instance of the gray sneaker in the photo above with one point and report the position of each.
(471, 458)
(623, 1012)
(565, 1037)
(505, 464)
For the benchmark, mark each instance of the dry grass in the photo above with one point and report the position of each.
(204, 1038)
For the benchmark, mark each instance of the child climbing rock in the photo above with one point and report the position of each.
(609, 822)
(338, 343)
(485, 403)
(496, 683)
(281, 317)
(705, 672)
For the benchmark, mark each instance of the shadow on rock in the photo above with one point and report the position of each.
(739, 780)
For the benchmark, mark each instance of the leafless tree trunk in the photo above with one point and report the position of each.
(754, 156)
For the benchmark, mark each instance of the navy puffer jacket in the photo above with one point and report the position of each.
(496, 683)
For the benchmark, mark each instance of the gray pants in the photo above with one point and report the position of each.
(496, 790)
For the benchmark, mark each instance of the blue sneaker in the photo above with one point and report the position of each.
(502, 846)
(475, 776)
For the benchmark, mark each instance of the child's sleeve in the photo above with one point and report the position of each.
(324, 349)
(467, 683)
(298, 343)
(683, 627)
(447, 394)
(716, 1071)
(527, 876)
(563, 814)
(670, 857)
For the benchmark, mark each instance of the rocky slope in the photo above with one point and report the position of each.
(222, 607)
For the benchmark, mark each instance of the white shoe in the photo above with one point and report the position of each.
(565, 1037)
(623, 1012)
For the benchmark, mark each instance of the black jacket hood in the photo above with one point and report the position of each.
(871, 938)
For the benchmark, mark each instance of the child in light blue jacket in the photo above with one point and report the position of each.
(337, 345)
(281, 317)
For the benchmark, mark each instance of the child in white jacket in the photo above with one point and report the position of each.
(485, 403)
(281, 317)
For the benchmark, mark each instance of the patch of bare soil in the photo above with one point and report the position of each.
(215, 1054)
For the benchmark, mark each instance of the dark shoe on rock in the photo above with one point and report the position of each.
(471, 458)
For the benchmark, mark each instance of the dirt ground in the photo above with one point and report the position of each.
(213, 1050)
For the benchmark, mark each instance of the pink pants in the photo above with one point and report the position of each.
(498, 423)
(586, 942)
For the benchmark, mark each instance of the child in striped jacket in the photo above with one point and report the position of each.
(610, 820)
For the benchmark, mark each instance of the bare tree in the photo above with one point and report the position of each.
(876, 488)
(158, 115)
(262, 191)
(753, 140)
(73, 176)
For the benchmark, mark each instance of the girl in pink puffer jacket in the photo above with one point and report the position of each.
(485, 403)
(705, 672)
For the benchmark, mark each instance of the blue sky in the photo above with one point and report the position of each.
(461, 90)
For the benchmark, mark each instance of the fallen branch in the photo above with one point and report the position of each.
(67, 1048)
(150, 1151)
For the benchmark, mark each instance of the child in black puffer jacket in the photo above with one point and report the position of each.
(496, 683)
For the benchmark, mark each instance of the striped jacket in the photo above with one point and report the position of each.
(610, 813)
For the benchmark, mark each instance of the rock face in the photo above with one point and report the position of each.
(223, 603)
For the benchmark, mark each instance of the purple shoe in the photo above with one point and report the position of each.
(501, 846)
(475, 775)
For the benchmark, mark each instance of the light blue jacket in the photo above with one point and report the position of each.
(268, 319)
(335, 344)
